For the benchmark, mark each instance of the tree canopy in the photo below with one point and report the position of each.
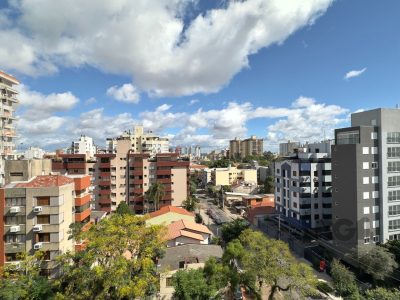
(154, 195)
(343, 280)
(123, 208)
(191, 284)
(119, 261)
(232, 230)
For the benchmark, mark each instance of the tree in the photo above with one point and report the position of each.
(266, 261)
(123, 208)
(269, 185)
(217, 274)
(394, 248)
(198, 218)
(232, 230)
(222, 163)
(382, 294)
(377, 261)
(25, 281)
(154, 195)
(75, 230)
(190, 204)
(119, 261)
(191, 284)
(343, 280)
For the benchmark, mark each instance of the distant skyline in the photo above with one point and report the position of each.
(199, 74)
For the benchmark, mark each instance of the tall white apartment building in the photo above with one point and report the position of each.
(303, 189)
(9, 100)
(84, 146)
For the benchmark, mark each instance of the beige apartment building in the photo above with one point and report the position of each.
(248, 147)
(141, 142)
(230, 175)
(37, 214)
(24, 169)
(9, 100)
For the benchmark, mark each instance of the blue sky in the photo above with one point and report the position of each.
(206, 74)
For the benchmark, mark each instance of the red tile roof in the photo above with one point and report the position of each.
(186, 228)
(46, 181)
(167, 209)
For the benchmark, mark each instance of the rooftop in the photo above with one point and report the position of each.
(186, 228)
(45, 181)
(168, 209)
(188, 253)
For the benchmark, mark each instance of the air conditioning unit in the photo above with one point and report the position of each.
(37, 209)
(37, 228)
(38, 246)
(15, 209)
(16, 228)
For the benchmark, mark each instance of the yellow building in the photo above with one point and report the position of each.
(232, 175)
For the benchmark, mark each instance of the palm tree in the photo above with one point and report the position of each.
(154, 194)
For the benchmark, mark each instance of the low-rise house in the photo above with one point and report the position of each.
(259, 211)
(169, 214)
(263, 199)
(189, 256)
(187, 232)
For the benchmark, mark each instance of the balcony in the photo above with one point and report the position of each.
(14, 248)
(137, 190)
(105, 165)
(104, 182)
(105, 174)
(163, 172)
(105, 192)
(164, 180)
(137, 164)
(58, 165)
(79, 217)
(104, 200)
(7, 229)
(306, 211)
(83, 199)
(75, 165)
(137, 181)
(136, 172)
(20, 212)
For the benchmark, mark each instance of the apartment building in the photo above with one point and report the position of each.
(37, 214)
(303, 189)
(165, 168)
(366, 180)
(141, 142)
(9, 100)
(247, 147)
(34, 152)
(229, 176)
(24, 169)
(287, 148)
(84, 145)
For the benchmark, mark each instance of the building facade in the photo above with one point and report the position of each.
(37, 214)
(24, 169)
(84, 145)
(229, 176)
(247, 147)
(287, 148)
(303, 190)
(366, 167)
(9, 100)
(34, 152)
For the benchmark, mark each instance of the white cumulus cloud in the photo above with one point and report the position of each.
(125, 93)
(168, 47)
(354, 73)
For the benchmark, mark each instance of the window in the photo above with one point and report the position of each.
(394, 210)
(393, 181)
(315, 205)
(394, 224)
(365, 150)
(295, 204)
(393, 138)
(375, 224)
(294, 194)
(16, 174)
(374, 165)
(394, 166)
(365, 165)
(42, 201)
(44, 237)
(393, 152)
(375, 194)
(43, 219)
(294, 173)
(394, 237)
(365, 180)
(366, 195)
(16, 201)
(366, 210)
(375, 238)
(374, 135)
(316, 217)
(367, 225)
(374, 179)
(374, 150)
(366, 240)
(168, 282)
(375, 209)
(15, 238)
(394, 195)
(15, 220)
